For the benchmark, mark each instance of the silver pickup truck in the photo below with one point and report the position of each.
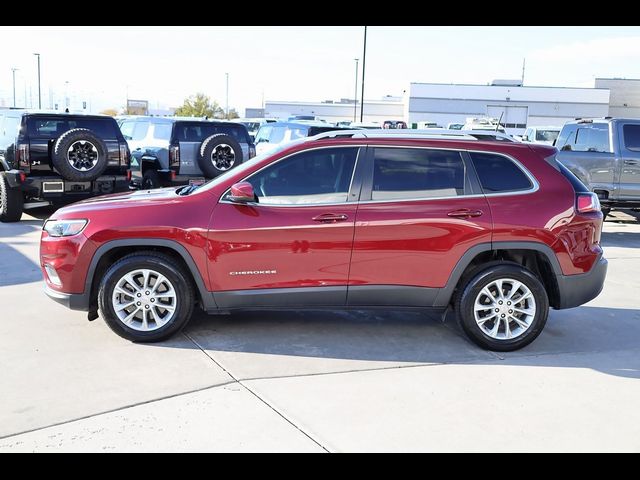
(605, 154)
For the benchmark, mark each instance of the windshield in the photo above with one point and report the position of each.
(547, 135)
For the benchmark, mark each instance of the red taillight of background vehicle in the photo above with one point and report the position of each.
(174, 158)
(125, 155)
(587, 202)
(23, 177)
(128, 175)
(23, 156)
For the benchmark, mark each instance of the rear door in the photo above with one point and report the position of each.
(418, 215)
(629, 140)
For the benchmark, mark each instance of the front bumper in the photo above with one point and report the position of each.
(74, 301)
(576, 290)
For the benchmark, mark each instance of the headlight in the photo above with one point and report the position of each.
(64, 228)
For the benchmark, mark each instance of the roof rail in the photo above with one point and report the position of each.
(426, 134)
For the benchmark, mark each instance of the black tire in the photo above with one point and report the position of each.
(11, 201)
(218, 154)
(471, 288)
(605, 212)
(151, 179)
(89, 154)
(162, 264)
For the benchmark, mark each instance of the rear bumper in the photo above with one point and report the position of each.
(74, 301)
(576, 290)
(66, 190)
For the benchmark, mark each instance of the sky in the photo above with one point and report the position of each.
(164, 65)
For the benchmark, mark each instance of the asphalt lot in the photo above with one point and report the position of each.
(317, 381)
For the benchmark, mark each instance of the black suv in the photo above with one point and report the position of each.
(179, 150)
(58, 158)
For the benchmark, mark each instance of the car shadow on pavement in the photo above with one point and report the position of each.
(17, 268)
(603, 339)
(621, 239)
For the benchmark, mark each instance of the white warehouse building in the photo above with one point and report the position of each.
(519, 106)
(389, 108)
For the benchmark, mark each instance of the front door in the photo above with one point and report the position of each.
(292, 246)
(415, 221)
(630, 161)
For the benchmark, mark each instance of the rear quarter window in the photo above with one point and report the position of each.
(498, 173)
(631, 135)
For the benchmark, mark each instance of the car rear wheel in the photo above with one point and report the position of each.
(146, 297)
(151, 180)
(11, 201)
(502, 308)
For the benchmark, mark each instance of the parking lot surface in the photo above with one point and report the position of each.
(317, 380)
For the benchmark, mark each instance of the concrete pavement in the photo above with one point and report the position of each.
(317, 380)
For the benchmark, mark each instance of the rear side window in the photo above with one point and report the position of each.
(134, 130)
(196, 132)
(498, 173)
(54, 127)
(406, 173)
(162, 131)
(631, 134)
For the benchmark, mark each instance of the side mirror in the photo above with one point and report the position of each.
(242, 193)
(525, 138)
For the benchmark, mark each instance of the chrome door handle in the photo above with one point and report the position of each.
(330, 218)
(464, 213)
(630, 162)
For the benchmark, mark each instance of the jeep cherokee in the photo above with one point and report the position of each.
(499, 231)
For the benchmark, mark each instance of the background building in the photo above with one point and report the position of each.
(389, 108)
(519, 106)
(625, 96)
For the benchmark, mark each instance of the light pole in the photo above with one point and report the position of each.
(13, 70)
(364, 58)
(227, 110)
(39, 92)
(355, 97)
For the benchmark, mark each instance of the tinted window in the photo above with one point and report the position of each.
(313, 177)
(592, 138)
(631, 135)
(54, 127)
(196, 132)
(416, 173)
(498, 173)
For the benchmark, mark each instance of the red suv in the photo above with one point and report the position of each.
(499, 231)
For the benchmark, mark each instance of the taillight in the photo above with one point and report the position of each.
(23, 156)
(125, 155)
(252, 151)
(587, 202)
(128, 175)
(174, 157)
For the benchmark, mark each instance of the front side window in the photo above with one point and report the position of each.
(313, 177)
(407, 173)
(499, 174)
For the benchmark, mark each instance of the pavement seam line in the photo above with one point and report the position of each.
(113, 410)
(239, 382)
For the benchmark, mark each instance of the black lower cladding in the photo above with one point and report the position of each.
(338, 296)
(576, 290)
(73, 301)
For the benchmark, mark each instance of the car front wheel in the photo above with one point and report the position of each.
(146, 297)
(502, 308)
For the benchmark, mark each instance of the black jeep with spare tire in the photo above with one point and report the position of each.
(58, 158)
